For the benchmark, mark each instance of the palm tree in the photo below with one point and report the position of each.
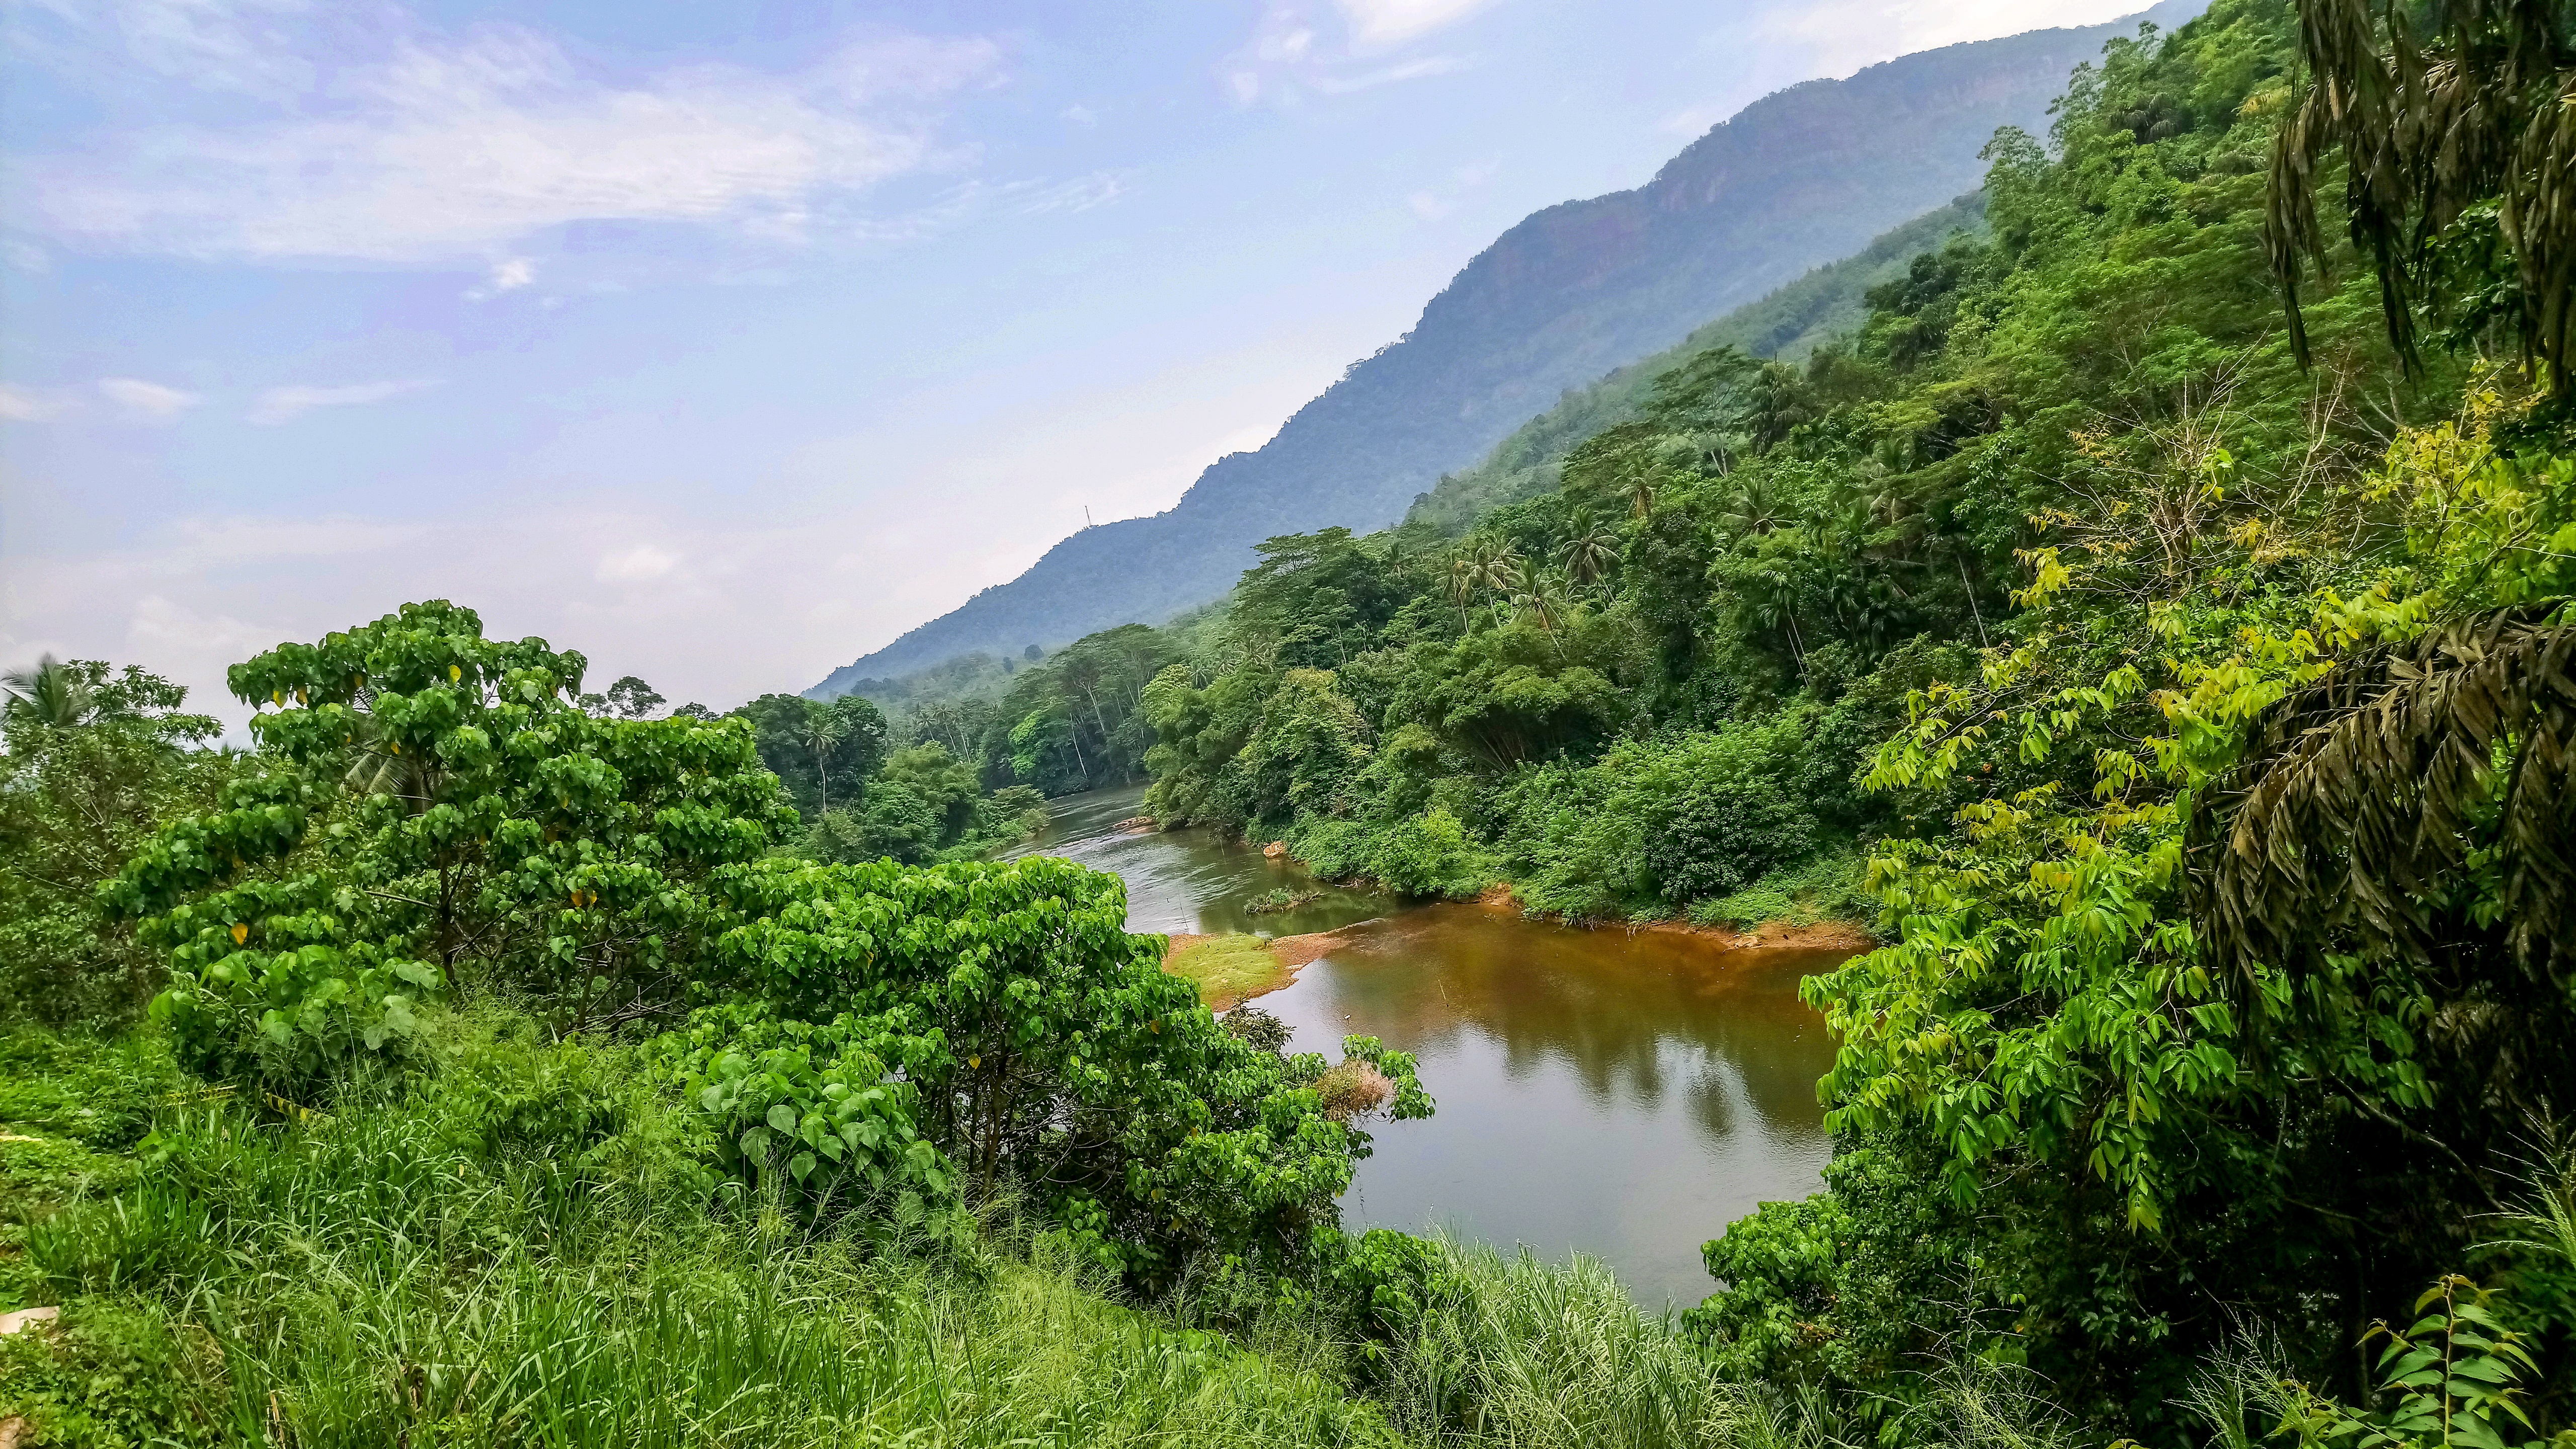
(1590, 552)
(821, 732)
(1753, 508)
(1638, 481)
(1461, 586)
(52, 694)
(1484, 566)
(1542, 602)
(2433, 121)
(2358, 793)
(379, 768)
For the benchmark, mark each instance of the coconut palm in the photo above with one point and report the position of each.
(52, 694)
(1754, 507)
(821, 732)
(377, 765)
(1639, 480)
(1589, 553)
(2438, 113)
(1541, 601)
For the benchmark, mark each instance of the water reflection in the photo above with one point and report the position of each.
(1624, 1094)
(1192, 880)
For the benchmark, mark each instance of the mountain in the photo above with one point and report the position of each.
(1788, 324)
(1796, 179)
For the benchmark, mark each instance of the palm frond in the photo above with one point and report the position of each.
(2358, 796)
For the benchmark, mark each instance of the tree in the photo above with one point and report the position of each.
(819, 733)
(77, 799)
(566, 859)
(52, 694)
(632, 698)
(2457, 146)
(1590, 552)
(808, 744)
(1047, 1048)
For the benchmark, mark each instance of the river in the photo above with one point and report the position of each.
(1620, 1094)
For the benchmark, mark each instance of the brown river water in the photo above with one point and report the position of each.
(1616, 1094)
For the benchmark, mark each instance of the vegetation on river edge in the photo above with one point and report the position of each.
(521, 1068)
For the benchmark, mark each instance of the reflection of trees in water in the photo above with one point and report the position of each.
(1629, 1014)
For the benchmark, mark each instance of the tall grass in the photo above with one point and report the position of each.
(519, 1249)
(407, 1273)
(1523, 1352)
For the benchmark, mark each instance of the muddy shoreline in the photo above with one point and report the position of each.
(1294, 953)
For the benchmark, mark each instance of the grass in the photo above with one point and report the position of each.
(1226, 968)
(1825, 888)
(419, 1270)
(520, 1248)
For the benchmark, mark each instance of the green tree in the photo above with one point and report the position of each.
(93, 767)
(542, 851)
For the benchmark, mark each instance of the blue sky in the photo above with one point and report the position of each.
(725, 342)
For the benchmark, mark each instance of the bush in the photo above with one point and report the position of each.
(1825, 888)
(1051, 1049)
(1428, 855)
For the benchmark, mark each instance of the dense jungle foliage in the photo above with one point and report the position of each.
(2192, 703)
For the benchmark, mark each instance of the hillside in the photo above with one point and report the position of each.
(1787, 324)
(1796, 179)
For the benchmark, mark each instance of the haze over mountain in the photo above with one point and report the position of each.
(1799, 178)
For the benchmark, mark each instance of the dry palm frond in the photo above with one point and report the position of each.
(2360, 793)
(2481, 112)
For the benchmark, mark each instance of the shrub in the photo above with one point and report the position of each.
(1428, 855)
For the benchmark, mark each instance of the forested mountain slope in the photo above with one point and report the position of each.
(1796, 179)
(1786, 325)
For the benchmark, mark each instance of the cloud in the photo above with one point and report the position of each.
(1844, 35)
(158, 625)
(1293, 51)
(1431, 204)
(204, 543)
(147, 401)
(642, 564)
(511, 275)
(28, 405)
(436, 150)
(285, 404)
(1429, 65)
(1378, 23)
(971, 199)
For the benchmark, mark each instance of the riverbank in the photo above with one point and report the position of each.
(1231, 967)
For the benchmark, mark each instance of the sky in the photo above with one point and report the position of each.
(724, 343)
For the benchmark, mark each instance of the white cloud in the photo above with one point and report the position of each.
(1292, 52)
(1376, 23)
(205, 543)
(642, 564)
(285, 404)
(1431, 204)
(148, 401)
(511, 275)
(158, 625)
(443, 150)
(1844, 35)
(1429, 65)
(28, 405)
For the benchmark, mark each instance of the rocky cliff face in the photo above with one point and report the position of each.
(1799, 178)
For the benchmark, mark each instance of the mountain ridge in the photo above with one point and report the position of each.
(1799, 178)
